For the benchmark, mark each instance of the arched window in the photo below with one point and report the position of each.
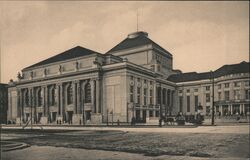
(52, 96)
(26, 98)
(39, 97)
(69, 94)
(88, 93)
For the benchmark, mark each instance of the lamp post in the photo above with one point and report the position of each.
(212, 77)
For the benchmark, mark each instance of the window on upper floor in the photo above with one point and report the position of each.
(219, 96)
(247, 94)
(207, 88)
(226, 95)
(180, 91)
(88, 93)
(207, 97)
(138, 95)
(131, 78)
(247, 83)
(219, 86)
(131, 93)
(236, 84)
(145, 81)
(226, 85)
(196, 90)
(138, 80)
(150, 96)
(151, 82)
(188, 90)
(237, 94)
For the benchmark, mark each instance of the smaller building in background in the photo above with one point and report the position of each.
(3, 103)
(231, 91)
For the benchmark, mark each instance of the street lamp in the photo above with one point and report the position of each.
(212, 77)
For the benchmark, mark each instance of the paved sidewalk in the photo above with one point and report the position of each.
(241, 129)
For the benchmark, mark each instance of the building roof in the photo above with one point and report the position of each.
(242, 67)
(135, 40)
(75, 52)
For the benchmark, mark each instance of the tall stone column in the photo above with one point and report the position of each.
(98, 92)
(45, 101)
(92, 83)
(74, 96)
(21, 104)
(61, 100)
(78, 93)
(58, 98)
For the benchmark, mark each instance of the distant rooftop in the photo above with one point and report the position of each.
(136, 39)
(242, 67)
(75, 52)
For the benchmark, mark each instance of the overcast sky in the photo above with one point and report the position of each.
(201, 36)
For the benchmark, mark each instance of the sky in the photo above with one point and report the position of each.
(201, 36)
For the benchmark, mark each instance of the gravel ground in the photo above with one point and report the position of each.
(152, 145)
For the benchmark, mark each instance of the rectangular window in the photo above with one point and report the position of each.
(226, 85)
(188, 103)
(131, 78)
(207, 88)
(145, 81)
(151, 82)
(196, 103)
(180, 91)
(145, 96)
(196, 90)
(188, 90)
(156, 113)
(236, 84)
(219, 96)
(207, 97)
(237, 94)
(247, 83)
(226, 94)
(138, 80)
(180, 104)
(131, 93)
(247, 94)
(219, 86)
(138, 95)
(151, 96)
(150, 113)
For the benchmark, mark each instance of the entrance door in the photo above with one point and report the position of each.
(137, 116)
(70, 114)
(39, 116)
(53, 118)
(27, 117)
(88, 115)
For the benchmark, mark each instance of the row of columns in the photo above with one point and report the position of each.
(78, 88)
(165, 98)
(230, 109)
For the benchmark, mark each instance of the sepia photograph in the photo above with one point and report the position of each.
(124, 80)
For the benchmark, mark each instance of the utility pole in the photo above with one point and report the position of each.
(212, 76)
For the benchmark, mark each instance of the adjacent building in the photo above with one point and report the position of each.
(3, 103)
(133, 79)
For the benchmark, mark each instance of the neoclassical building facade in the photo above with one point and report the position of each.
(133, 79)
